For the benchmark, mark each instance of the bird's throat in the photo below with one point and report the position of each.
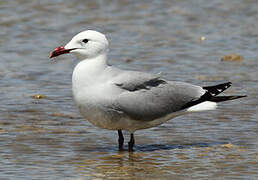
(88, 71)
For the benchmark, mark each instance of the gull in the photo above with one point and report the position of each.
(116, 99)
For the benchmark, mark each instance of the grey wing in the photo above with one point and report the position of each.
(147, 97)
(133, 81)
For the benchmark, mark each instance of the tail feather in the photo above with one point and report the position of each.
(204, 106)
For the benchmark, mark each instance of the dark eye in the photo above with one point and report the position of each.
(85, 40)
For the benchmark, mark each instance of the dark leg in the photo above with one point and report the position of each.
(131, 143)
(120, 139)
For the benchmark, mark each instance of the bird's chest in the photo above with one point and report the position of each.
(94, 105)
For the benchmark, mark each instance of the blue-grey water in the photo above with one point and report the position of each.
(48, 139)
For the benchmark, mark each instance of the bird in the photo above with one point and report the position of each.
(117, 99)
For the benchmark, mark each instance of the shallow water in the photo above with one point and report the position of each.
(48, 139)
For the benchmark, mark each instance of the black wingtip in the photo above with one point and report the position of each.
(211, 95)
(225, 98)
(225, 85)
(217, 89)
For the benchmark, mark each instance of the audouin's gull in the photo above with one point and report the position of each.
(116, 99)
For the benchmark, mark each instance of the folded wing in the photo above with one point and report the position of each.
(146, 97)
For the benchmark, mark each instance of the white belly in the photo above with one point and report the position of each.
(115, 120)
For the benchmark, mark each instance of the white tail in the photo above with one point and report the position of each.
(204, 106)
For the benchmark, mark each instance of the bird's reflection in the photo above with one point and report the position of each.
(149, 147)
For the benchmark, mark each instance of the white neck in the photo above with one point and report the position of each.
(87, 71)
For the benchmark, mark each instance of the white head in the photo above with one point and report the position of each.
(85, 45)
